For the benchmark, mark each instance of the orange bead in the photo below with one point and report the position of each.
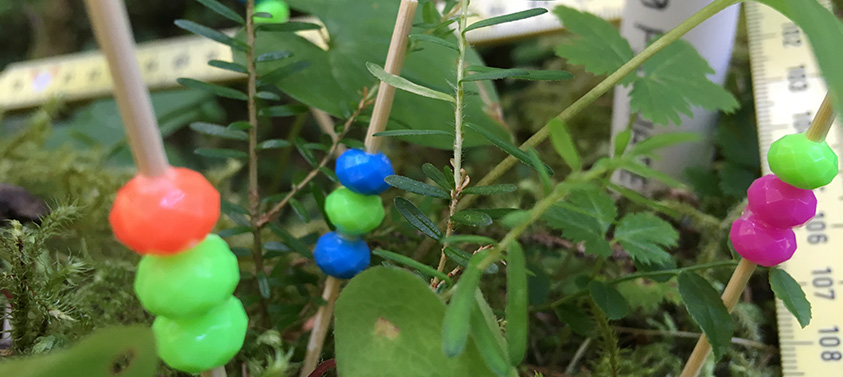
(165, 214)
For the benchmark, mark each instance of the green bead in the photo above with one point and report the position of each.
(205, 342)
(801, 162)
(279, 10)
(189, 283)
(354, 213)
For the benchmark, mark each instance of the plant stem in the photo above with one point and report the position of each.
(603, 87)
(254, 189)
(733, 290)
(822, 121)
(216, 372)
(320, 327)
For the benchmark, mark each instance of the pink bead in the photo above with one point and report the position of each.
(761, 243)
(779, 204)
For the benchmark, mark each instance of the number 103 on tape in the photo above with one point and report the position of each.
(788, 89)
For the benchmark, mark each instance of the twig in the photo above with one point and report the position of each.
(324, 368)
(736, 285)
(111, 27)
(320, 327)
(577, 356)
(393, 65)
(822, 121)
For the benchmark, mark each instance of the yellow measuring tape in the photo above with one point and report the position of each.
(788, 89)
(84, 76)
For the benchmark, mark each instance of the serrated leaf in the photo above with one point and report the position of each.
(223, 10)
(608, 300)
(212, 34)
(491, 189)
(414, 186)
(220, 153)
(414, 133)
(600, 48)
(707, 309)
(273, 56)
(388, 320)
(790, 292)
(663, 140)
(406, 85)
(472, 218)
(645, 237)
(229, 66)
(504, 145)
(674, 80)
(272, 144)
(417, 218)
(219, 131)
(436, 176)
(290, 26)
(564, 144)
(421, 267)
(218, 90)
(436, 40)
(506, 18)
(585, 217)
(495, 74)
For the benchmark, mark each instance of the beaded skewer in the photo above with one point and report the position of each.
(776, 203)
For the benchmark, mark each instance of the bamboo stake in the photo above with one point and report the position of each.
(737, 283)
(216, 372)
(394, 63)
(383, 105)
(111, 27)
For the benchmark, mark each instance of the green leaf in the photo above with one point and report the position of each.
(417, 218)
(491, 73)
(503, 145)
(299, 209)
(219, 131)
(506, 18)
(240, 125)
(436, 40)
(293, 242)
(472, 218)
(214, 89)
(275, 76)
(544, 75)
(220, 153)
(455, 327)
(487, 337)
(579, 321)
(212, 34)
(95, 356)
(234, 231)
(585, 217)
(288, 27)
(664, 140)
(707, 309)
(645, 236)
(468, 238)
(608, 299)
(640, 168)
(414, 133)
(790, 292)
(674, 80)
(622, 141)
(600, 48)
(404, 84)
(421, 267)
(564, 144)
(229, 66)
(272, 144)
(272, 56)
(414, 186)
(304, 152)
(517, 318)
(437, 176)
(461, 257)
(263, 284)
(491, 189)
(824, 31)
(389, 321)
(281, 111)
(223, 10)
(537, 164)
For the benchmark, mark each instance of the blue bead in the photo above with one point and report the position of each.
(341, 256)
(363, 172)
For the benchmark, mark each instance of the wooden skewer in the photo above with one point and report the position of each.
(111, 27)
(737, 283)
(394, 63)
(216, 372)
(383, 106)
